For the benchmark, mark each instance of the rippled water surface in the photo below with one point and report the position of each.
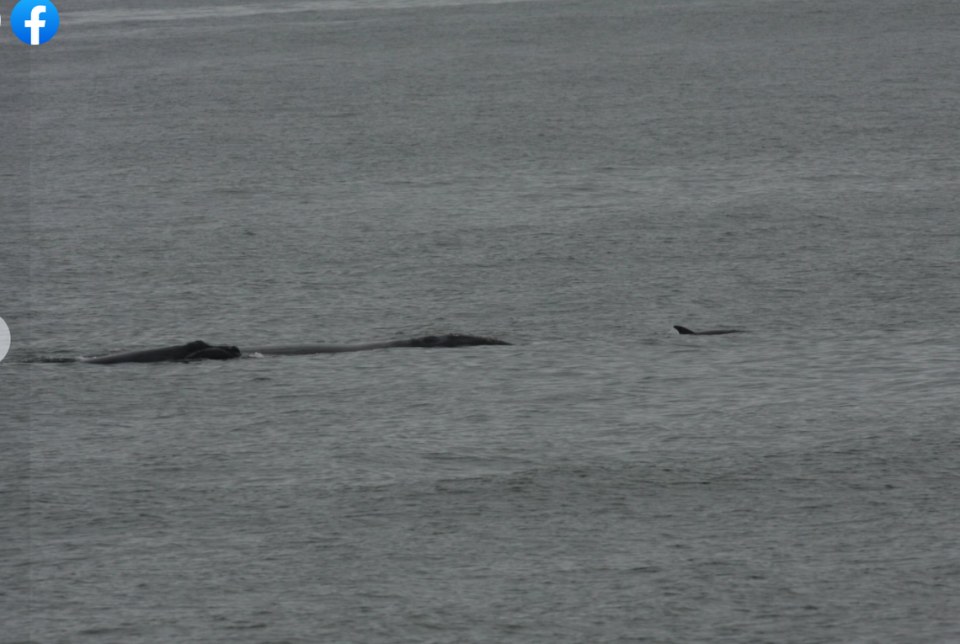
(572, 177)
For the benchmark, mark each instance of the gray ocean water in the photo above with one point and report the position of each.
(574, 177)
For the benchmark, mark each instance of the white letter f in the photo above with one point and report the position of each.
(35, 23)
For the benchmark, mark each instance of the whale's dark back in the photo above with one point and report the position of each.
(199, 350)
(196, 350)
(219, 352)
(454, 340)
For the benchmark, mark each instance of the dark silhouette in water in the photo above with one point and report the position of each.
(427, 342)
(196, 350)
(199, 350)
(685, 331)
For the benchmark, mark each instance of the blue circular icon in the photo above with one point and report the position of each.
(34, 21)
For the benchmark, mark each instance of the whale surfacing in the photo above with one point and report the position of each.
(196, 350)
(199, 350)
(685, 331)
(454, 340)
(425, 342)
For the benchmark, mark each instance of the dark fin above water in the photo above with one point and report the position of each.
(685, 331)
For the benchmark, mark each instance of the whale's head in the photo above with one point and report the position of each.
(453, 340)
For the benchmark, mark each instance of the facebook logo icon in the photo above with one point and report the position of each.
(34, 21)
